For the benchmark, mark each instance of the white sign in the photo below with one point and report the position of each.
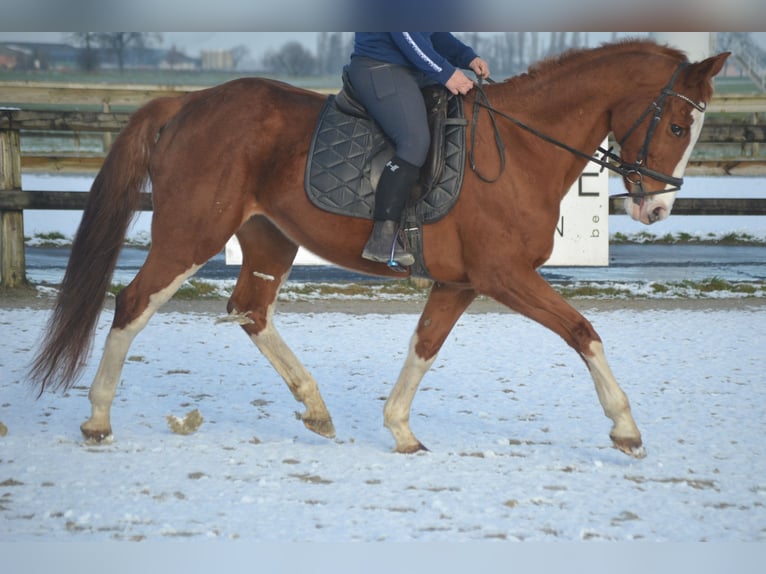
(581, 237)
(304, 257)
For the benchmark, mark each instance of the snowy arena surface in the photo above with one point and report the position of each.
(518, 442)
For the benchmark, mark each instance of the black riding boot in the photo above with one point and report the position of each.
(383, 245)
(394, 187)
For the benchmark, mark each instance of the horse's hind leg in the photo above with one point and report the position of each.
(267, 256)
(152, 287)
(444, 306)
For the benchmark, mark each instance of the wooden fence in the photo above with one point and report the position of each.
(733, 124)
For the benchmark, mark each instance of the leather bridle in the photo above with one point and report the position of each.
(632, 172)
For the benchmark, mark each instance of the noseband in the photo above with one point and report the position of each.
(632, 172)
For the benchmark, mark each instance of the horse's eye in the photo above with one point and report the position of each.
(677, 130)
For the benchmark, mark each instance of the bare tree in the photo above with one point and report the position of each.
(332, 52)
(88, 57)
(119, 42)
(535, 48)
(238, 53)
(292, 59)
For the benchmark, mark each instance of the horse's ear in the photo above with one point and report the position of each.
(703, 71)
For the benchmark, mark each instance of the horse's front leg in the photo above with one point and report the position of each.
(444, 306)
(531, 295)
(624, 434)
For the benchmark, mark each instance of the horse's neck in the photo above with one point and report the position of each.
(582, 95)
(570, 106)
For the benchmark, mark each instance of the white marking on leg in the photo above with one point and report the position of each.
(612, 398)
(396, 414)
(300, 382)
(264, 276)
(118, 341)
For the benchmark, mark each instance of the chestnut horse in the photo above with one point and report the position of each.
(231, 160)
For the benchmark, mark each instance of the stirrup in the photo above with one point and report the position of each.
(395, 266)
(391, 263)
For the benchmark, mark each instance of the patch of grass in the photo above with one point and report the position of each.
(644, 237)
(407, 290)
(667, 238)
(717, 285)
(51, 236)
(737, 239)
(50, 239)
(192, 289)
(714, 284)
(572, 291)
(619, 238)
(195, 289)
(354, 290)
(745, 288)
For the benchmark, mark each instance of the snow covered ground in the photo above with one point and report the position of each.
(519, 446)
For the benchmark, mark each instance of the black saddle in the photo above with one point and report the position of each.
(349, 150)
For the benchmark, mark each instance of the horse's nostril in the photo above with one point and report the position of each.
(656, 214)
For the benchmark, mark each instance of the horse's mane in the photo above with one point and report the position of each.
(579, 56)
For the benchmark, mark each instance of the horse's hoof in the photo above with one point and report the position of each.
(96, 436)
(411, 449)
(322, 427)
(631, 447)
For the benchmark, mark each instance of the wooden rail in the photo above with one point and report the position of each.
(744, 158)
(94, 95)
(746, 136)
(133, 95)
(75, 200)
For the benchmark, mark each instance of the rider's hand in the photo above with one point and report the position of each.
(480, 68)
(459, 83)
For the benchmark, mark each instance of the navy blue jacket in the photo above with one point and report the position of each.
(436, 54)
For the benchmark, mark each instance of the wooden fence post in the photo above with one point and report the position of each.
(12, 262)
(107, 137)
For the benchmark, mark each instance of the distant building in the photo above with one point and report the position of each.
(217, 60)
(8, 58)
(173, 59)
(36, 56)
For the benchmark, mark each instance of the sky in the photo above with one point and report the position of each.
(258, 42)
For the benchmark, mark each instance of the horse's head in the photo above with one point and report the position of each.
(657, 137)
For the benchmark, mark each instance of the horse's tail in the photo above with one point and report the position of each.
(112, 203)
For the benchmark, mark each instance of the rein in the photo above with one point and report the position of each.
(632, 172)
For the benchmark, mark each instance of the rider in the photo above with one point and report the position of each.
(387, 71)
